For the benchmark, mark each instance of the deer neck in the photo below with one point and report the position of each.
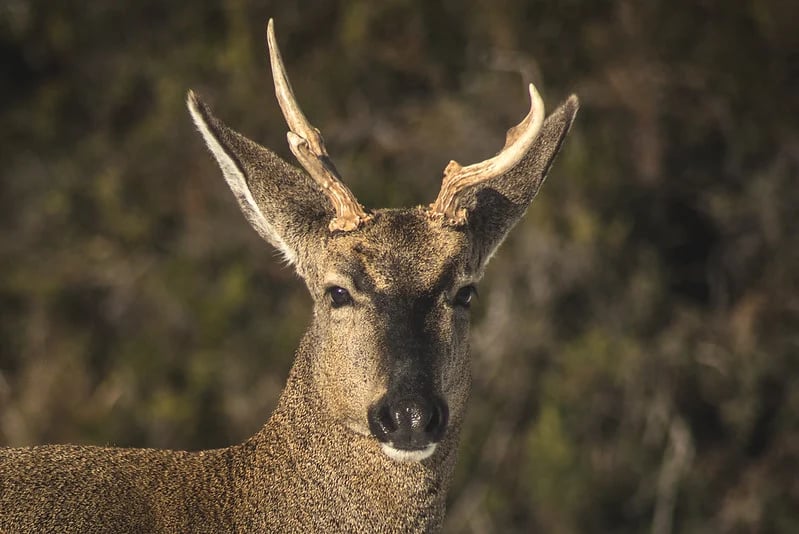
(311, 457)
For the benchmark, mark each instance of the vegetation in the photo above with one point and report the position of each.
(636, 340)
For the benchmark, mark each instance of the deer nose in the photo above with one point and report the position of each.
(408, 423)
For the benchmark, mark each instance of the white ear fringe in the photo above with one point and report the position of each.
(238, 184)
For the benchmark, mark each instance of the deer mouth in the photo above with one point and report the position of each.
(408, 455)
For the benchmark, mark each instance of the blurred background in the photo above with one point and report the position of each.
(636, 342)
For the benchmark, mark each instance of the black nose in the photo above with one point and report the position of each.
(409, 422)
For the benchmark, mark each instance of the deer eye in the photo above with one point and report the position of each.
(339, 296)
(464, 296)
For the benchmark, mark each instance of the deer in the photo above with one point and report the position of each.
(365, 434)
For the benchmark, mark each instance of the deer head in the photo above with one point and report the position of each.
(391, 287)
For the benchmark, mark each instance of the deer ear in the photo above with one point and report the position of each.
(496, 205)
(280, 201)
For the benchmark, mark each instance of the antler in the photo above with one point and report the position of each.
(458, 178)
(309, 148)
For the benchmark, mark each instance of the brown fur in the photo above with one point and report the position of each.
(314, 467)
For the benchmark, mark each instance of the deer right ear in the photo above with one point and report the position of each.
(491, 196)
(280, 201)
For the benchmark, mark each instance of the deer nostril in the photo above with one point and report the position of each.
(386, 421)
(435, 419)
(381, 423)
(439, 419)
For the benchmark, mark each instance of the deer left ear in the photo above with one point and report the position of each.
(495, 206)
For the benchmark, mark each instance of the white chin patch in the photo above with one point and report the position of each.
(399, 455)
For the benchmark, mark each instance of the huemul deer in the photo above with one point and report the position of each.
(365, 434)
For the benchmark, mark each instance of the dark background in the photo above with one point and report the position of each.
(635, 344)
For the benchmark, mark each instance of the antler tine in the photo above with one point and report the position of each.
(458, 178)
(308, 146)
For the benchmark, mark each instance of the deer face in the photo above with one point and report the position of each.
(391, 288)
(392, 315)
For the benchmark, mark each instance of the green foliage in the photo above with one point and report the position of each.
(636, 339)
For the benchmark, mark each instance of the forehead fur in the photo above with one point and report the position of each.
(402, 247)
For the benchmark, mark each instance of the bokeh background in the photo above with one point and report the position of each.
(636, 342)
